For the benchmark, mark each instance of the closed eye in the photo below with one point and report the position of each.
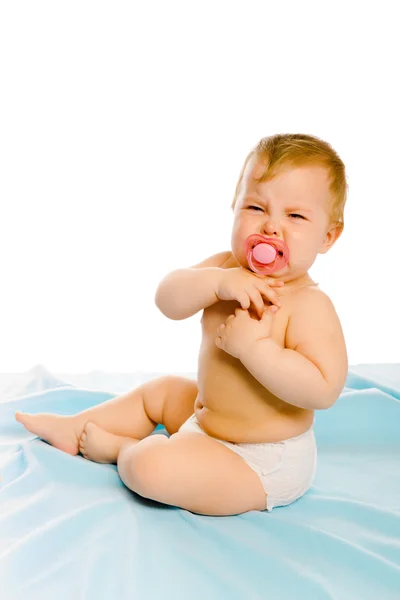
(296, 215)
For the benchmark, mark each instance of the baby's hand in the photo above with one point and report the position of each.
(240, 332)
(247, 288)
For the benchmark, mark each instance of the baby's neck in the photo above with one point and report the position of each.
(294, 284)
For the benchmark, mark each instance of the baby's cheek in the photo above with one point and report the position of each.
(297, 236)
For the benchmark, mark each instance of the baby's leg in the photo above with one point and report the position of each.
(192, 471)
(166, 400)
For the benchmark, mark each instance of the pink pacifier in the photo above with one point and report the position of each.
(266, 255)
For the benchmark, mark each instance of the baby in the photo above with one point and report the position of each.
(272, 352)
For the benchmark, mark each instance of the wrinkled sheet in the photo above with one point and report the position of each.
(69, 528)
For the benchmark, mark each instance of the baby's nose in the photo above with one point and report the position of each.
(270, 228)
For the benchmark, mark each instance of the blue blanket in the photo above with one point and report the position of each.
(70, 529)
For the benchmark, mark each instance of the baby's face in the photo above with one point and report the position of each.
(292, 207)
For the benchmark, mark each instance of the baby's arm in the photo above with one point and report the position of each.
(311, 371)
(184, 292)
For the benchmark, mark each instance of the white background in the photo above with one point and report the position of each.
(123, 130)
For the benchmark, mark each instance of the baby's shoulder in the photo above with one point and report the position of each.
(308, 300)
(311, 311)
(304, 294)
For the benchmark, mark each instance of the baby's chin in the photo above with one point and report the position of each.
(284, 274)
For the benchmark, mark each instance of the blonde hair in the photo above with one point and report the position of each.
(296, 150)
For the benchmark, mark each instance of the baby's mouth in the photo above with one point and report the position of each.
(272, 254)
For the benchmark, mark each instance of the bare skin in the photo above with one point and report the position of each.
(99, 445)
(134, 415)
(214, 480)
(220, 408)
(62, 432)
(191, 470)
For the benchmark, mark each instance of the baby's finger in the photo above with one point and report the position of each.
(269, 280)
(271, 295)
(257, 301)
(244, 301)
(275, 282)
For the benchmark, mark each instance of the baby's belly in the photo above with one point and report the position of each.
(233, 406)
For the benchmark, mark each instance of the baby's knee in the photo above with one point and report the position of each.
(139, 465)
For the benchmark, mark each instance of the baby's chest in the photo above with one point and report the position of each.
(216, 314)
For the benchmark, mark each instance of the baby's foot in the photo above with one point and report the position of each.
(62, 432)
(99, 445)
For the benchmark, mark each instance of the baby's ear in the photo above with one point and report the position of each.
(334, 232)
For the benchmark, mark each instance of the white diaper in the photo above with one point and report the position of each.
(286, 469)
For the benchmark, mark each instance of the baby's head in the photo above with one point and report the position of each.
(292, 187)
